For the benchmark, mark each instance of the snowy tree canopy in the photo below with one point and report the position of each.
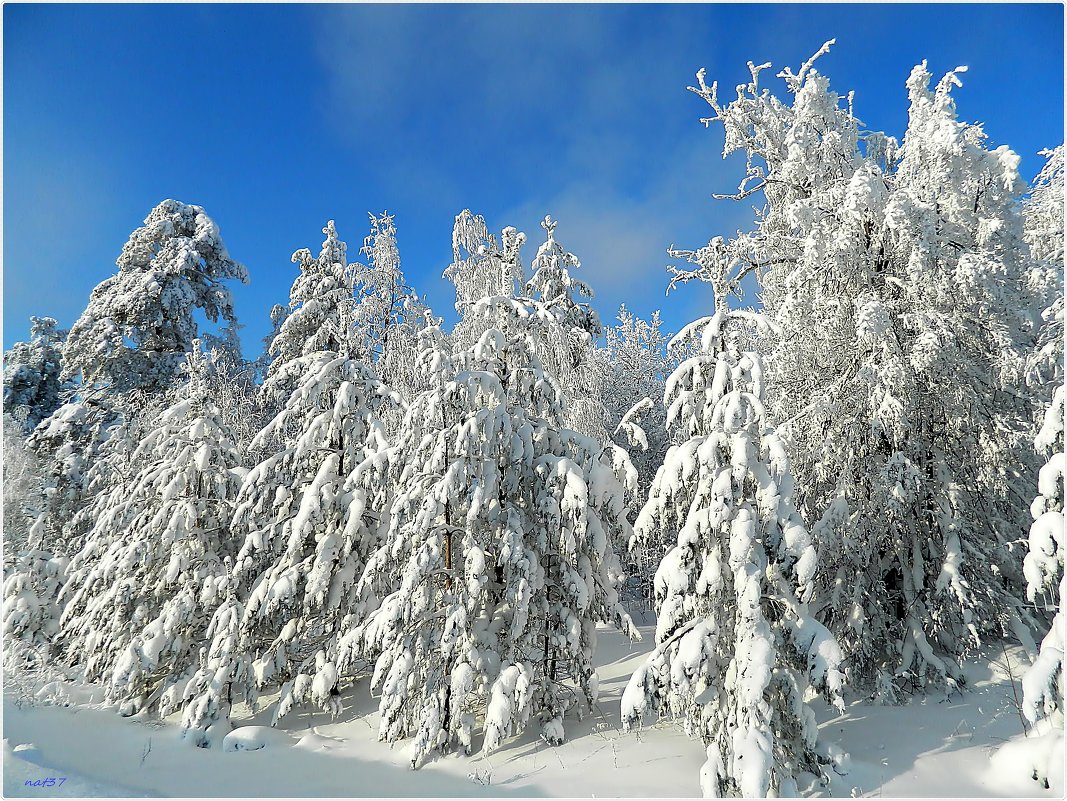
(481, 267)
(33, 388)
(140, 323)
(308, 515)
(383, 299)
(553, 284)
(1044, 210)
(633, 366)
(830, 490)
(568, 353)
(33, 581)
(487, 266)
(32, 576)
(897, 275)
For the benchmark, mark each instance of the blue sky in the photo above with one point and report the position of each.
(277, 118)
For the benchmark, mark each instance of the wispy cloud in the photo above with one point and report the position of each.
(480, 113)
(622, 236)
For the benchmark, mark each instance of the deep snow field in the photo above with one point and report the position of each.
(933, 746)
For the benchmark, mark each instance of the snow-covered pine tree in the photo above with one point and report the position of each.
(70, 445)
(33, 388)
(568, 349)
(23, 488)
(1043, 566)
(142, 587)
(1044, 569)
(308, 512)
(33, 575)
(501, 535)
(317, 320)
(78, 453)
(388, 314)
(127, 347)
(897, 273)
(737, 648)
(140, 323)
(1044, 229)
(636, 367)
(633, 366)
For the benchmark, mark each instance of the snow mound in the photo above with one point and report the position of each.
(1038, 757)
(253, 738)
(24, 763)
(314, 741)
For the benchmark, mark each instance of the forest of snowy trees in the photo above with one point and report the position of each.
(843, 487)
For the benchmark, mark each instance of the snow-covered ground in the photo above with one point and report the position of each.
(932, 746)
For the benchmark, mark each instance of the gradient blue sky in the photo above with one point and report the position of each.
(277, 118)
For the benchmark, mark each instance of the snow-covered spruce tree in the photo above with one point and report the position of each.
(633, 366)
(140, 323)
(141, 589)
(32, 385)
(320, 304)
(897, 274)
(318, 317)
(568, 353)
(1044, 569)
(636, 366)
(500, 549)
(70, 445)
(485, 267)
(1043, 211)
(33, 580)
(1043, 685)
(33, 575)
(308, 513)
(388, 314)
(78, 455)
(737, 648)
(23, 488)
